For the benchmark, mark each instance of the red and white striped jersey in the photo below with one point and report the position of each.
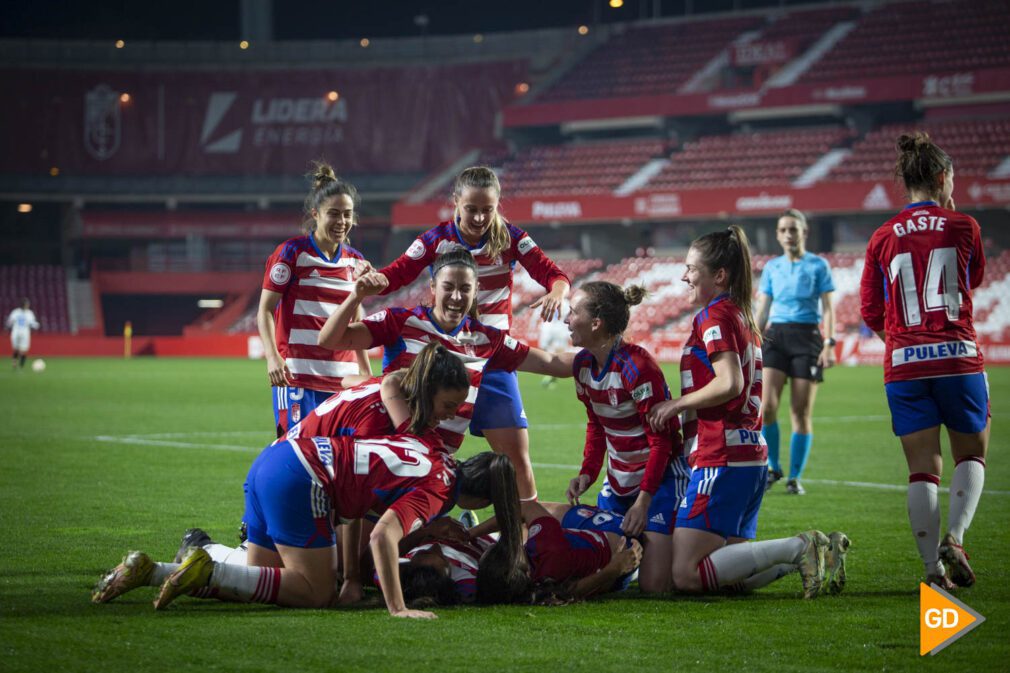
(404, 332)
(463, 559)
(728, 433)
(921, 267)
(494, 292)
(618, 395)
(355, 412)
(411, 475)
(312, 287)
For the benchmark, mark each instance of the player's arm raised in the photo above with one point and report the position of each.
(339, 333)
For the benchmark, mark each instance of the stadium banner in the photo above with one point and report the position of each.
(250, 122)
(926, 87)
(180, 224)
(882, 196)
(764, 52)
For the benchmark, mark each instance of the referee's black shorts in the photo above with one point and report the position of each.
(793, 348)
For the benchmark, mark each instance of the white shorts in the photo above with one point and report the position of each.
(21, 341)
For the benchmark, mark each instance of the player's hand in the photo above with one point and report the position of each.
(550, 304)
(370, 284)
(414, 614)
(627, 559)
(577, 487)
(826, 359)
(278, 372)
(447, 528)
(661, 414)
(635, 519)
(350, 592)
(361, 267)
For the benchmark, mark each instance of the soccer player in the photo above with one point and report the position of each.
(295, 485)
(496, 245)
(794, 287)
(921, 267)
(21, 322)
(403, 332)
(619, 382)
(554, 564)
(720, 374)
(306, 278)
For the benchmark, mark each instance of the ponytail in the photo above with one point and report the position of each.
(434, 369)
(610, 303)
(482, 177)
(503, 573)
(326, 184)
(920, 162)
(729, 249)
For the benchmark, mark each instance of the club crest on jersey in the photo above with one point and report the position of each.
(711, 334)
(612, 396)
(377, 317)
(280, 274)
(642, 392)
(534, 529)
(585, 513)
(416, 250)
(295, 412)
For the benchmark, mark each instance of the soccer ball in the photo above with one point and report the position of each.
(38, 365)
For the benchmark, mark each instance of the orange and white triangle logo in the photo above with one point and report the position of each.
(942, 619)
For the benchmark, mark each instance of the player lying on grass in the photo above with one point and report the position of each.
(291, 489)
(403, 332)
(720, 374)
(553, 564)
(619, 382)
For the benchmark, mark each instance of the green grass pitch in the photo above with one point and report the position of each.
(102, 456)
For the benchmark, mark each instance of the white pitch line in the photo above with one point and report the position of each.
(178, 445)
(829, 482)
(148, 440)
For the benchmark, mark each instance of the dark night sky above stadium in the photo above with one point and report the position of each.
(305, 20)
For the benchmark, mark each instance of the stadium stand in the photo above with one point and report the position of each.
(643, 61)
(44, 285)
(977, 146)
(751, 159)
(891, 40)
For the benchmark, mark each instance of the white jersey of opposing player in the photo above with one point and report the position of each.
(21, 322)
(554, 335)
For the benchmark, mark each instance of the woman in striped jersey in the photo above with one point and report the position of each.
(403, 332)
(619, 383)
(496, 245)
(306, 278)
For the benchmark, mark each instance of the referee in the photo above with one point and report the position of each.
(794, 289)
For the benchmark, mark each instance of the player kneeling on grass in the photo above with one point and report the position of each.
(294, 486)
(555, 564)
(720, 401)
(619, 382)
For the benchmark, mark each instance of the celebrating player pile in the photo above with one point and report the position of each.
(377, 455)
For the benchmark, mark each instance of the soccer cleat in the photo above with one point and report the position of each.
(243, 532)
(810, 561)
(193, 573)
(774, 476)
(793, 487)
(834, 562)
(135, 571)
(956, 558)
(193, 537)
(468, 519)
(942, 581)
